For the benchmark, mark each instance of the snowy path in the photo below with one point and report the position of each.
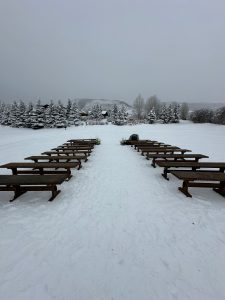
(117, 231)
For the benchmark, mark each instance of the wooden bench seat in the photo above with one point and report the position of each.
(83, 141)
(58, 158)
(201, 179)
(170, 165)
(136, 146)
(41, 168)
(87, 145)
(134, 142)
(163, 150)
(150, 145)
(174, 157)
(66, 152)
(141, 148)
(77, 151)
(88, 148)
(23, 183)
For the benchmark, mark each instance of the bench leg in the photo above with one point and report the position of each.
(153, 163)
(221, 189)
(164, 174)
(17, 192)
(184, 189)
(55, 192)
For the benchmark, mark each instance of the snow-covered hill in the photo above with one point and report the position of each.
(87, 104)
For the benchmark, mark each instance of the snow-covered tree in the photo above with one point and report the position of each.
(114, 113)
(176, 113)
(164, 117)
(219, 117)
(74, 116)
(202, 116)
(152, 116)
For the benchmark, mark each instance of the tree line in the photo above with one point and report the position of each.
(20, 114)
(208, 116)
(153, 110)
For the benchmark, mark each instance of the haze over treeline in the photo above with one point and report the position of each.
(112, 50)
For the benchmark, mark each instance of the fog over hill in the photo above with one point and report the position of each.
(207, 105)
(87, 104)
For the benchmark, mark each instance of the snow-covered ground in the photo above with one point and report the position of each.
(118, 230)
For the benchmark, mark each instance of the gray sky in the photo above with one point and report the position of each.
(112, 49)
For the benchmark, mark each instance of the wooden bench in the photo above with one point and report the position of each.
(134, 142)
(75, 150)
(152, 144)
(194, 166)
(24, 183)
(89, 148)
(140, 148)
(41, 168)
(83, 141)
(65, 152)
(201, 179)
(58, 158)
(164, 150)
(174, 157)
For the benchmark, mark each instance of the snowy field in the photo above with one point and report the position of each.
(118, 230)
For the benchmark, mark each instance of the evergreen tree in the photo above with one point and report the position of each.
(169, 114)
(164, 114)
(219, 117)
(114, 113)
(68, 108)
(176, 113)
(14, 114)
(152, 116)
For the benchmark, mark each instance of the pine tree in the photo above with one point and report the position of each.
(74, 116)
(164, 114)
(114, 113)
(169, 113)
(176, 113)
(61, 116)
(14, 114)
(68, 108)
(152, 116)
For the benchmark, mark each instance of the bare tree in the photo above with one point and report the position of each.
(152, 102)
(138, 106)
(184, 109)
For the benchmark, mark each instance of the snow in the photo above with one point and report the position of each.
(118, 230)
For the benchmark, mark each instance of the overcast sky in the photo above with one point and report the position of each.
(113, 49)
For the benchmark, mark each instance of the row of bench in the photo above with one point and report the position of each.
(48, 170)
(191, 171)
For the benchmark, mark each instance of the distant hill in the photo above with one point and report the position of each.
(208, 105)
(87, 104)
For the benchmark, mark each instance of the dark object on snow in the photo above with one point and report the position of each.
(134, 137)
